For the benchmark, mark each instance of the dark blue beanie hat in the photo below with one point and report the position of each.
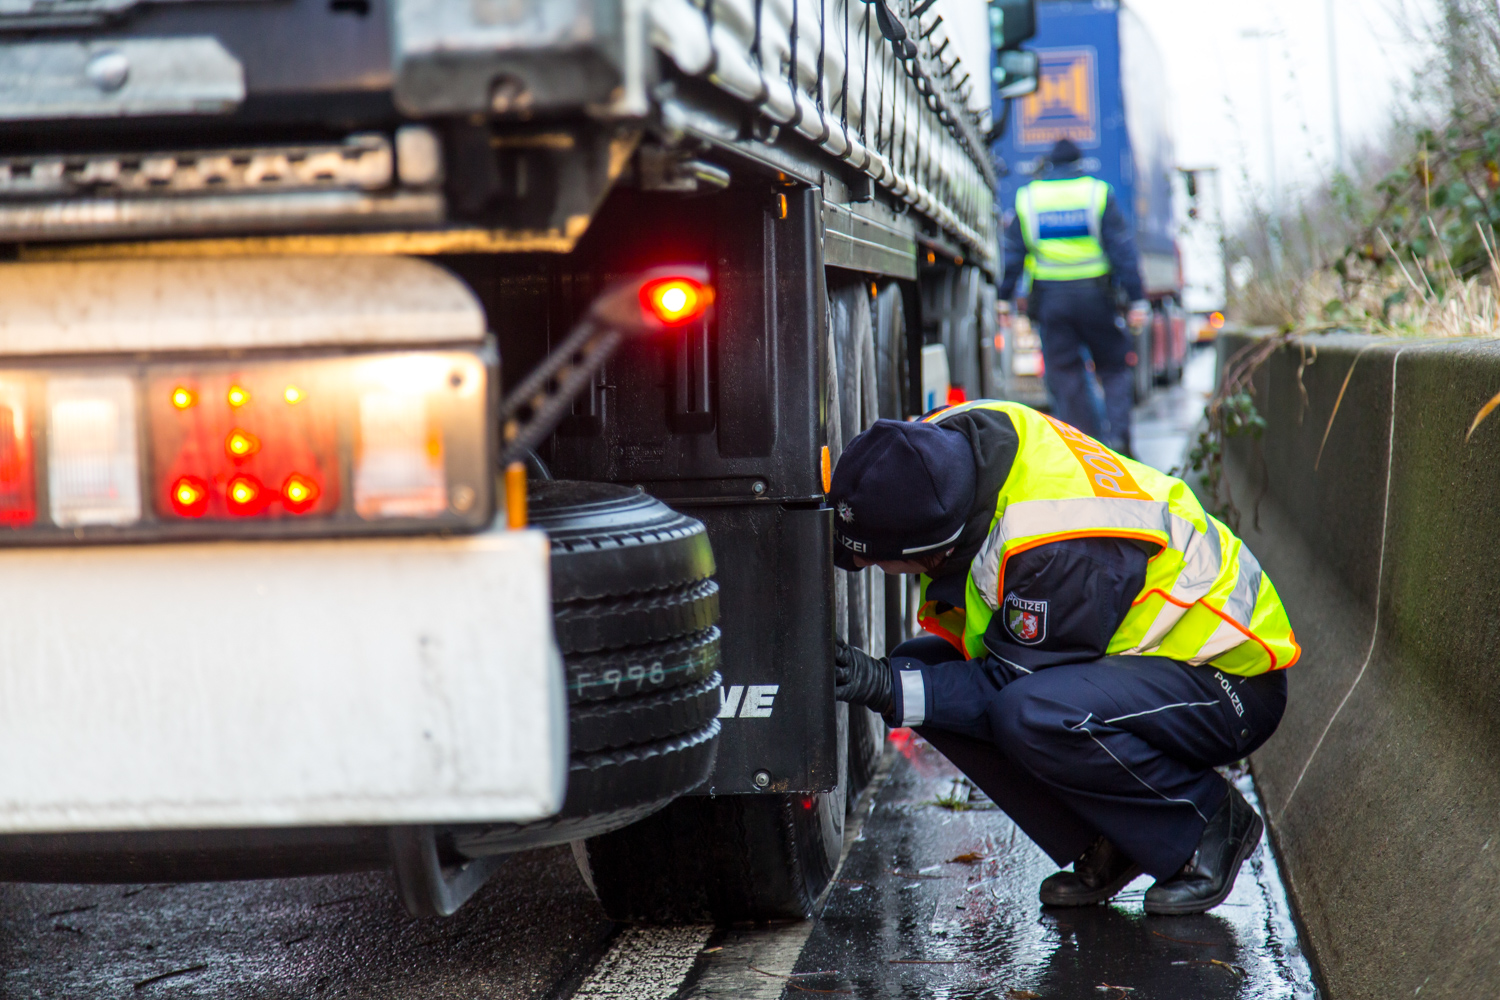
(900, 491)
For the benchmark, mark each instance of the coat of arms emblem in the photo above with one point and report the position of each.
(1026, 621)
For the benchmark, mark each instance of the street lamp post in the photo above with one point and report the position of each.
(1333, 89)
(1273, 235)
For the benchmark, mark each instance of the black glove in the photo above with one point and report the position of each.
(863, 680)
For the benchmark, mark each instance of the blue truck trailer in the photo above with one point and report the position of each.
(1102, 84)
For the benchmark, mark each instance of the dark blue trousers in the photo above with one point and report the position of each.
(1123, 746)
(1074, 315)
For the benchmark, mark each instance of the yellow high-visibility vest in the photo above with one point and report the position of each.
(1061, 221)
(1205, 599)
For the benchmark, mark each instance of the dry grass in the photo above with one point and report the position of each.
(1407, 298)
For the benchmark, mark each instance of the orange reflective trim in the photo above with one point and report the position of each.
(1107, 475)
(933, 623)
(1237, 626)
(1162, 594)
(1062, 536)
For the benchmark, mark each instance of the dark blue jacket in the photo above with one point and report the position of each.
(1115, 234)
(1086, 585)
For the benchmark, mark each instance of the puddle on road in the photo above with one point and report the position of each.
(939, 901)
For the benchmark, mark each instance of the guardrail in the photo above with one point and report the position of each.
(1381, 531)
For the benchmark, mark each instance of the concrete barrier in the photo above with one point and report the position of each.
(1382, 786)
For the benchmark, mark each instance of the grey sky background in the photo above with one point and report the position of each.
(1220, 99)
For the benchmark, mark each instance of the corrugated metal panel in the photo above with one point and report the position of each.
(823, 68)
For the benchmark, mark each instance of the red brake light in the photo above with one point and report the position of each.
(676, 301)
(246, 495)
(299, 493)
(190, 496)
(249, 443)
(957, 395)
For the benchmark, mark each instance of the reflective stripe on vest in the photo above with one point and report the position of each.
(1061, 222)
(1205, 598)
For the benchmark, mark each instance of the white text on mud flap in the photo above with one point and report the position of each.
(756, 704)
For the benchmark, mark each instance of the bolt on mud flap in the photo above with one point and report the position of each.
(778, 714)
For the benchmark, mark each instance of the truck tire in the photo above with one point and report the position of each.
(614, 541)
(623, 722)
(617, 673)
(866, 345)
(635, 610)
(616, 622)
(726, 859)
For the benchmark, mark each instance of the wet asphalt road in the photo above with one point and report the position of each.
(530, 930)
(936, 899)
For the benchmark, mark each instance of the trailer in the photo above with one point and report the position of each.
(416, 418)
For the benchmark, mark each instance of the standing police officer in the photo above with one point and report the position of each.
(1071, 238)
(1098, 643)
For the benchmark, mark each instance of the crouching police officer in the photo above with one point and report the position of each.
(1098, 643)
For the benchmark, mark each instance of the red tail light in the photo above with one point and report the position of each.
(676, 301)
(190, 497)
(17, 482)
(346, 444)
(242, 435)
(957, 395)
(299, 494)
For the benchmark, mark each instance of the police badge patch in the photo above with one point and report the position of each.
(1026, 621)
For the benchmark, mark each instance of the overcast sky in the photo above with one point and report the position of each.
(1220, 94)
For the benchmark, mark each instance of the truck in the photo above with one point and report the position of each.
(1102, 84)
(416, 418)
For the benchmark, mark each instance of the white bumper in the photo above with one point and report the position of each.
(279, 684)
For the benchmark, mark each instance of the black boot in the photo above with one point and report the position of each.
(1206, 879)
(1102, 871)
(861, 679)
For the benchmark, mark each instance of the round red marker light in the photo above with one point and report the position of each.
(246, 495)
(299, 493)
(190, 497)
(676, 301)
(183, 397)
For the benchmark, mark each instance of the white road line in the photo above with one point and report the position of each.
(732, 972)
(652, 963)
(646, 963)
(729, 973)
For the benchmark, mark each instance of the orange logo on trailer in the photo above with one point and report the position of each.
(1066, 102)
(1107, 474)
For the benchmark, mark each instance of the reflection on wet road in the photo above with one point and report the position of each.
(1161, 426)
(937, 899)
